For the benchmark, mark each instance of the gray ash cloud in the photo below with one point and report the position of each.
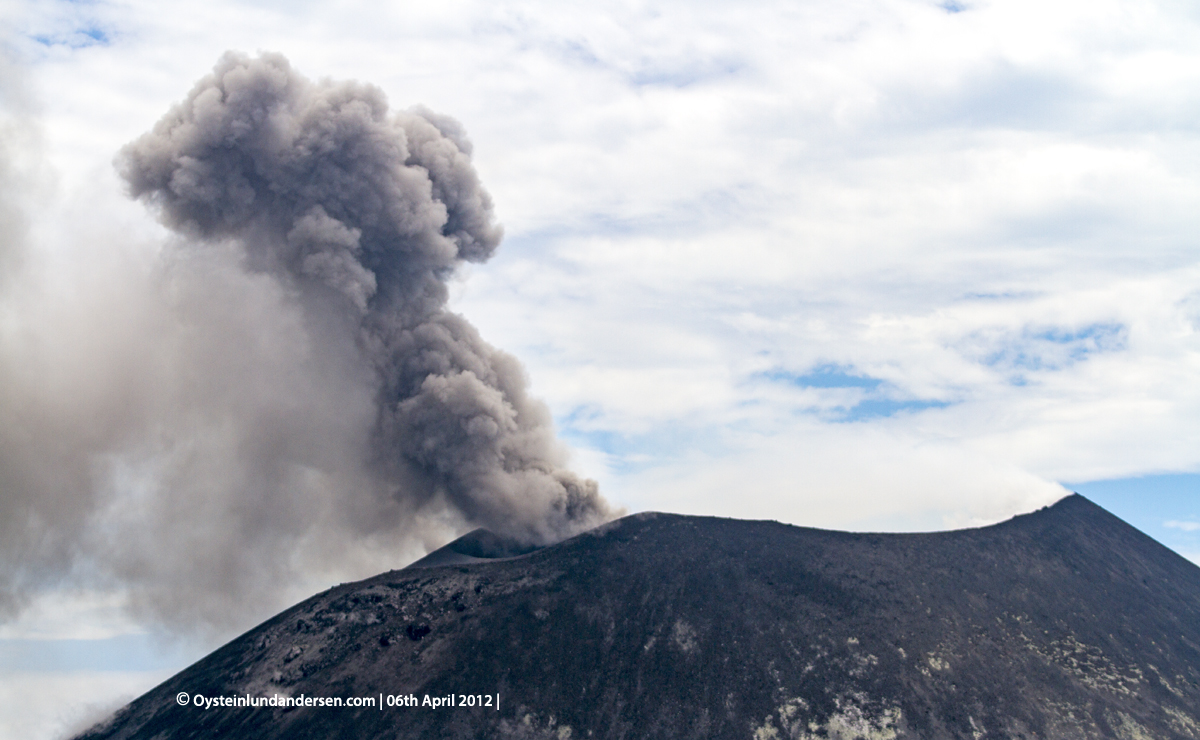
(286, 377)
(366, 214)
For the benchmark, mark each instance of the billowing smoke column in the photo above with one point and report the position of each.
(366, 214)
(277, 396)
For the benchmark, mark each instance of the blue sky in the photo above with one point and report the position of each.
(1166, 507)
(881, 264)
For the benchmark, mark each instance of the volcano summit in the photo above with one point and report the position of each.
(1063, 623)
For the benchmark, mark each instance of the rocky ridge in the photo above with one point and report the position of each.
(1063, 623)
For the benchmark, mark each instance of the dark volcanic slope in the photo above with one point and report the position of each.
(1064, 623)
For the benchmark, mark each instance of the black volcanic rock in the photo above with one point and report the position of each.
(474, 547)
(1063, 623)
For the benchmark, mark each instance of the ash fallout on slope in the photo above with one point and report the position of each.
(366, 214)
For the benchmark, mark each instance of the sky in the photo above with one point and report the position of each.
(885, 265)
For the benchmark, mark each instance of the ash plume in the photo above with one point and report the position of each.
(282, 388)
(366, 214)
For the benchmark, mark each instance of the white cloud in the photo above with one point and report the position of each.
(974, 209)
(1185, 526)
(72, 615)
(54, 706)
(990, 212)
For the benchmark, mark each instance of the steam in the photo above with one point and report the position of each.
(282, 389)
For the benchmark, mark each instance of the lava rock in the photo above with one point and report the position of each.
(1064, 623)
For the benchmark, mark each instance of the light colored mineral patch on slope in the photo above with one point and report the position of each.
(787, 718)
(1068, 720)
(1089, 665)
(860, 664)
(852, 721)
(1167, 684)
(684, 635)
(1183, 723)
(534, 727)
(977, 732)
(1129, 729)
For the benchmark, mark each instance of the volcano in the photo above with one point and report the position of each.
(1062, 623)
